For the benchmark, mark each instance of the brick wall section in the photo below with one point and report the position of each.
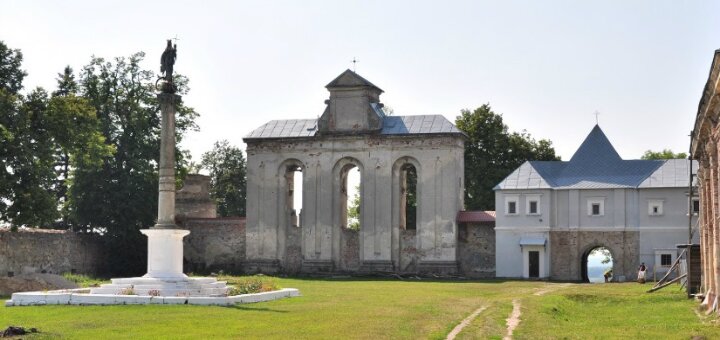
(476, 249)
(50, 251)
(214, 244)
(623, 246)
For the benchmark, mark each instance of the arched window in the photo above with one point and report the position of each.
(408, 197)
(294, 187)
(350, 196)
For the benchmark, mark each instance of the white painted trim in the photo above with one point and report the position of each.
(652, 203)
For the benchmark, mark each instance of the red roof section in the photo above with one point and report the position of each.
(476, 216)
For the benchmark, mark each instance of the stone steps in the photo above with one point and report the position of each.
(143, 286)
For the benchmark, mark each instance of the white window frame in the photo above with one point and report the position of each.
(658, 258)
(596, 200)
(512, 198)
(532, 198)
(655, 203)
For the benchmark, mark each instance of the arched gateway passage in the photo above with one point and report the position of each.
(596, 263)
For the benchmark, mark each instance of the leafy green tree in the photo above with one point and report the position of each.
(118, 197)
(11, 73)
(29, 159)
(226, 164)
(353, 212)
(664, 154)
(11, 78)
(40, 135)
(492, 153)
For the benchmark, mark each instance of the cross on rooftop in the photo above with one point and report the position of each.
(354, 61)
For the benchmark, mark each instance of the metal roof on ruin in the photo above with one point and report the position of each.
(392, 125)
(596, 165)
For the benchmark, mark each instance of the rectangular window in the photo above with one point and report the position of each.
(511, 204)
(532, 204)
(696, 206)
(596, 206)
(533, 207)
(655, 207)
(512, 208)
(665, 260)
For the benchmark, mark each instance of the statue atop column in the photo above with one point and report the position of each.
(167, 61)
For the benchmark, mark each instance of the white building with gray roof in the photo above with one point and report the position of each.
(551, 214)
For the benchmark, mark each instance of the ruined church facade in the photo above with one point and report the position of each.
(354, 133)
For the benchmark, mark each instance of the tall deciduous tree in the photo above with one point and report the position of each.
(664, 154)
(38, 133)
(492, 153)
(11, 77)
(119, 197)
(226, 164)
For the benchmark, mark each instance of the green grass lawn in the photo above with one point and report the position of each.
(390, 309)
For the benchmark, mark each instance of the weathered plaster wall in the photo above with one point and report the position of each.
(568, 248)
(439, 164)
(50, 251)
(214, 244)
(193, 200)
(476, 249)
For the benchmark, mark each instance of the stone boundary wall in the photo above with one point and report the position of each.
(214, 244)
(50, 251)
(476, 249)
(568, 247)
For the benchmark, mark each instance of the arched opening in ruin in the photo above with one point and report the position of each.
(597, 265)
(351, 197)
(408, 197)
(294, 180)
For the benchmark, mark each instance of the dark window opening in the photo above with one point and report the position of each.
(408, 197)
(696, 206)
(512, 207)
(533, 207)
(596, 208)
(665, 260)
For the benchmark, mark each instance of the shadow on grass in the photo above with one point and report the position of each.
(412, 279)
(254, 309)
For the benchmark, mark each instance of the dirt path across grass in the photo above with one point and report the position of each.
(514, 319)
(464, 323)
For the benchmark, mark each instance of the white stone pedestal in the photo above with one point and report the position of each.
(165, 253)
(165, 271)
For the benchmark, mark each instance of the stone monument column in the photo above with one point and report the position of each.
(165, 245)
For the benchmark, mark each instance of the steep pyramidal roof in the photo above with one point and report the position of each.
(595, 148)
(596, 165)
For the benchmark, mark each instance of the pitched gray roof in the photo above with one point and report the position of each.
(392, 125)
(597, 165)
(673, 173)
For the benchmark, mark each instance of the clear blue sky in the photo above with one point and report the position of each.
(545, 65)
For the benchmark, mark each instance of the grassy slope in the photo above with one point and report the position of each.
(385, 309)
(613, 311)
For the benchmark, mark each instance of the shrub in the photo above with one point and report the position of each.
(252, 284)
(82, 280)
(127, 291)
